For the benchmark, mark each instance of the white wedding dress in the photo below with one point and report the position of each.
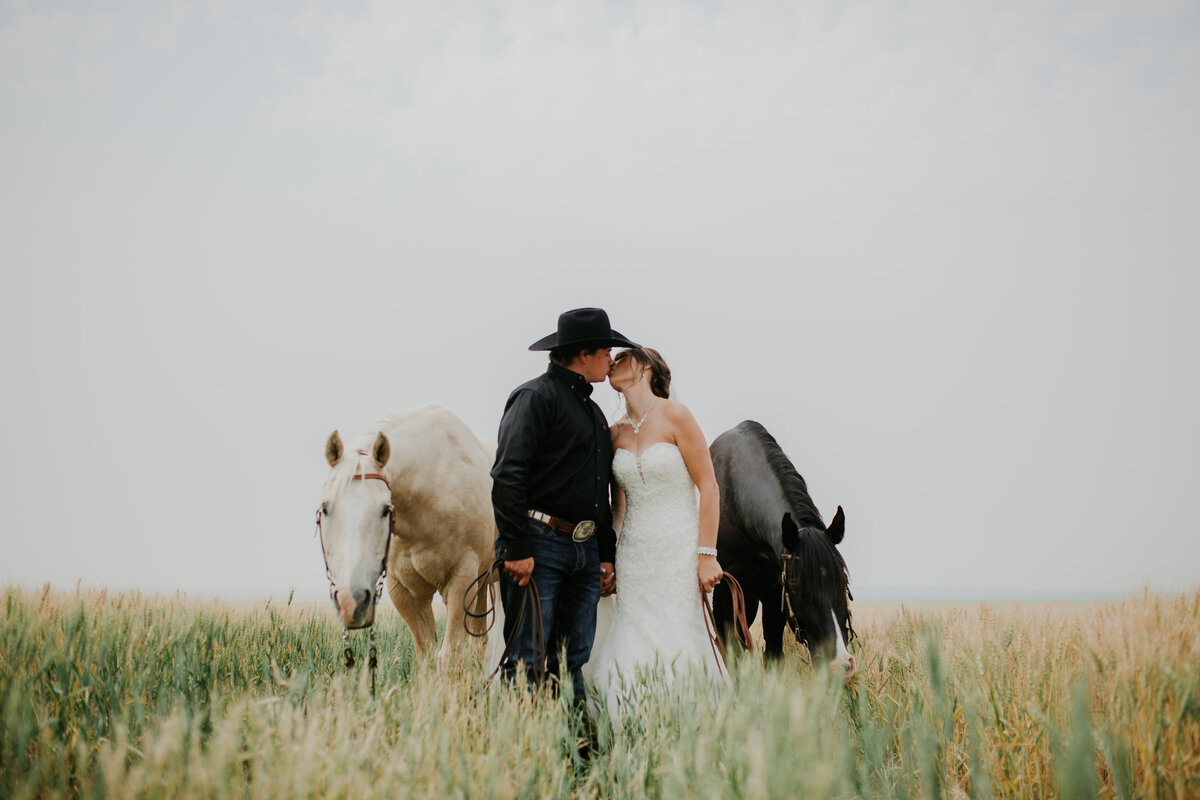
(657, 619)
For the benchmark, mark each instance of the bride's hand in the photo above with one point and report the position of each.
(709, 573)
(608, 579)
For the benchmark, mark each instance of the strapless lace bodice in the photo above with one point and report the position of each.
(661, 511)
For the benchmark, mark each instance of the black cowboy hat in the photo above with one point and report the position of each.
(583, 326)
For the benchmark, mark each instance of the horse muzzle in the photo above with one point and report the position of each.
(356, 608)
(845, 664)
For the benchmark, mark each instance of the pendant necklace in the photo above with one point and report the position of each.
(637, 426)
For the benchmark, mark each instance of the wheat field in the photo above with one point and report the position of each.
(124, 695)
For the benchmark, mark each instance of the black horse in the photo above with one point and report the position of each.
(772, 539)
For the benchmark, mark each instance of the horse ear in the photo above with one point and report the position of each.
(837, 528)
(333, 449)
(382, 450)
(791, 534)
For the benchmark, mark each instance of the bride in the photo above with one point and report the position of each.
(666, 547)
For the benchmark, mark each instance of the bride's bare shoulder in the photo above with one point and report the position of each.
(683, 425)
(676, 410)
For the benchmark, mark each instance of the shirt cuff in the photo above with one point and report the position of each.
(515, 549)
(607, 545)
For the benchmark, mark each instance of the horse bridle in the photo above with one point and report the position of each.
(785, 602)
(372, 658)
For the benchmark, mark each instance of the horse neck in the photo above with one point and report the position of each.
(763, 515)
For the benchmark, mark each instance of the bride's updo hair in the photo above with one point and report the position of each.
(660, 373)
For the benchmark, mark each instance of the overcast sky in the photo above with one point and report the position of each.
(948, 253)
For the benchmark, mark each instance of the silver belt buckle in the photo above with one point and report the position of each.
(583, 530)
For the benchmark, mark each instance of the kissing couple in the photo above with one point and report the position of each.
(556, 461)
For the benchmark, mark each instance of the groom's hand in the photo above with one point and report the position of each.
(608, 579)
(520, 571)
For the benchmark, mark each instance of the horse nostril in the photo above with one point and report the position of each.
(366, 597)
(345, 602)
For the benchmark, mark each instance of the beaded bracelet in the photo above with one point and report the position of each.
(707, 551)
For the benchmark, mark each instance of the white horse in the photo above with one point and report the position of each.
(426, 476)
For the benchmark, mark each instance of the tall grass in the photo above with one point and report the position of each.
(130, 696)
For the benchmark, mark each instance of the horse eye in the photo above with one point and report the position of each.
(387, 511)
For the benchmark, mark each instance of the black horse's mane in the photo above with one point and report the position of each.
(819, 566)
(791, 482)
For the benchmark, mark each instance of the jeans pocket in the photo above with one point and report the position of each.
(545, 532)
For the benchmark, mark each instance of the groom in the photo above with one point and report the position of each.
(550, 495)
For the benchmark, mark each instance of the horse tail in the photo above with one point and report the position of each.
(480, 610)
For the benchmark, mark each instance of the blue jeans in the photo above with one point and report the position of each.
(567, 574)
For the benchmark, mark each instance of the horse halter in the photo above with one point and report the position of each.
(785, 602)
(320, 534)
(372, 658)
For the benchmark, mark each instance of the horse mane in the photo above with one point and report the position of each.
(819, 566)
(791, 482)
(819, 571)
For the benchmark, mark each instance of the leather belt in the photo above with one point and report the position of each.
(580, 531)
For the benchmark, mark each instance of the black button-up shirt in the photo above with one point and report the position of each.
(553, 455)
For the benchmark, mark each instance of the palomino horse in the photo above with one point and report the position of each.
(771, 538)
(424, 475)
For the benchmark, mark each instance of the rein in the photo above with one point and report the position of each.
(347, 651)
(741, 628)
(531, 601)
(785, 602)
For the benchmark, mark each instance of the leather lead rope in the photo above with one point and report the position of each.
(741, 628)
(531, 603)
(372, 650)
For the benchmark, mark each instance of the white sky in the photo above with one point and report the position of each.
(946, 252)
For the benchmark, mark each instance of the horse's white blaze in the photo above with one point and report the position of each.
(355, 532)
(842, 659)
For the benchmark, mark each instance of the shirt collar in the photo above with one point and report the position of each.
(573, 380)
